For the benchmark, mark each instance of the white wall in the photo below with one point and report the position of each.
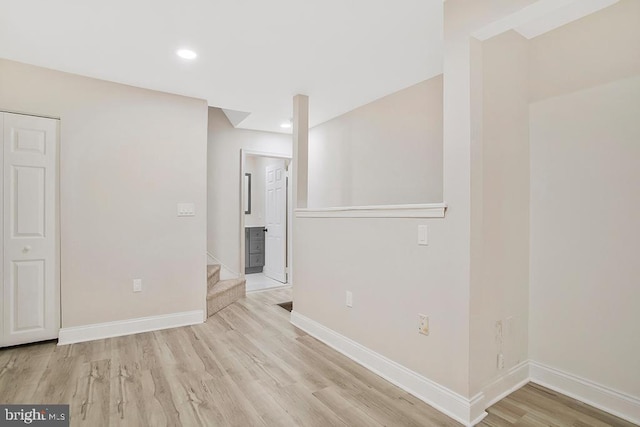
(596, 49)
(254, 166)
(223, 182)
(585, 202)
(500, 255)
(585, 207)
(127, 157)
(386, 152)
(392, 278)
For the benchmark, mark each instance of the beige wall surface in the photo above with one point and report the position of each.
(585, 207)
(391, 277)
(223, 182)
(596, 49)
(127, 157)
(500, 260)
(392, 280)
(585, 204)
(386, 152)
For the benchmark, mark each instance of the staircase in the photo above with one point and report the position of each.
(221, 293)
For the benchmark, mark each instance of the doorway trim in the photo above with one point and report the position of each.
(243, 159)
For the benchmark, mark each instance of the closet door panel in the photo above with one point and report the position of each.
(2, 290)
(31, 299)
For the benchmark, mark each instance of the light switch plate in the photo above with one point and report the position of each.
(423, 235)
(186, 209)
(137, 285)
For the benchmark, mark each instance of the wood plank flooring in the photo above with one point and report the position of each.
(247, 366)
(534, 405)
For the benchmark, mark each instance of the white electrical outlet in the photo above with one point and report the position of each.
(423, 324)
(349, 299)
(137, 285)
(186, 209)
(500, 361)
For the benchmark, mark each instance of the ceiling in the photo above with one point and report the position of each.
(253, 55)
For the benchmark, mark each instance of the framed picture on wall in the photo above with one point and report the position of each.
(247, 193)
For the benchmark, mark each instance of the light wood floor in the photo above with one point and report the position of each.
(247, 366)
(536, 406)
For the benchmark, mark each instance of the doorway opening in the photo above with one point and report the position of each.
(265, 220)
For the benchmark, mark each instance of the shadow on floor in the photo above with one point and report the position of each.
(287, 305)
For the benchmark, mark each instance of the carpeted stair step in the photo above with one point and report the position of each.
(223, 293)
(213, 275)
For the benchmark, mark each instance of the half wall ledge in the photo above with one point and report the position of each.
(429, 210)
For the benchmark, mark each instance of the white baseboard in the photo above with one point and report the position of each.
(471, 411)
(128, 327)
(510, 381)
(225, 272)
(441, 398)
(614, 402)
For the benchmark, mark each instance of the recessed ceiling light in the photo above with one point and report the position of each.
(285, 125)
(186, 54)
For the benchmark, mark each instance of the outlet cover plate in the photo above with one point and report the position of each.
(423, 324)
(186, 209)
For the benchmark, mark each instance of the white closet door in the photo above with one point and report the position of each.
(276, 222)
(31, 298)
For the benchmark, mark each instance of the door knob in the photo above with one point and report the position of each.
(26, 249)
(265, 230)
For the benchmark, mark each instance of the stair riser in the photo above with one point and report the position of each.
(212, 280)
(225, 298)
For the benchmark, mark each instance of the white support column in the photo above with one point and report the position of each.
(300, 150)
(300, 172)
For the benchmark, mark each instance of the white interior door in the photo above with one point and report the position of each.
(31, 291)
(276, 222)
